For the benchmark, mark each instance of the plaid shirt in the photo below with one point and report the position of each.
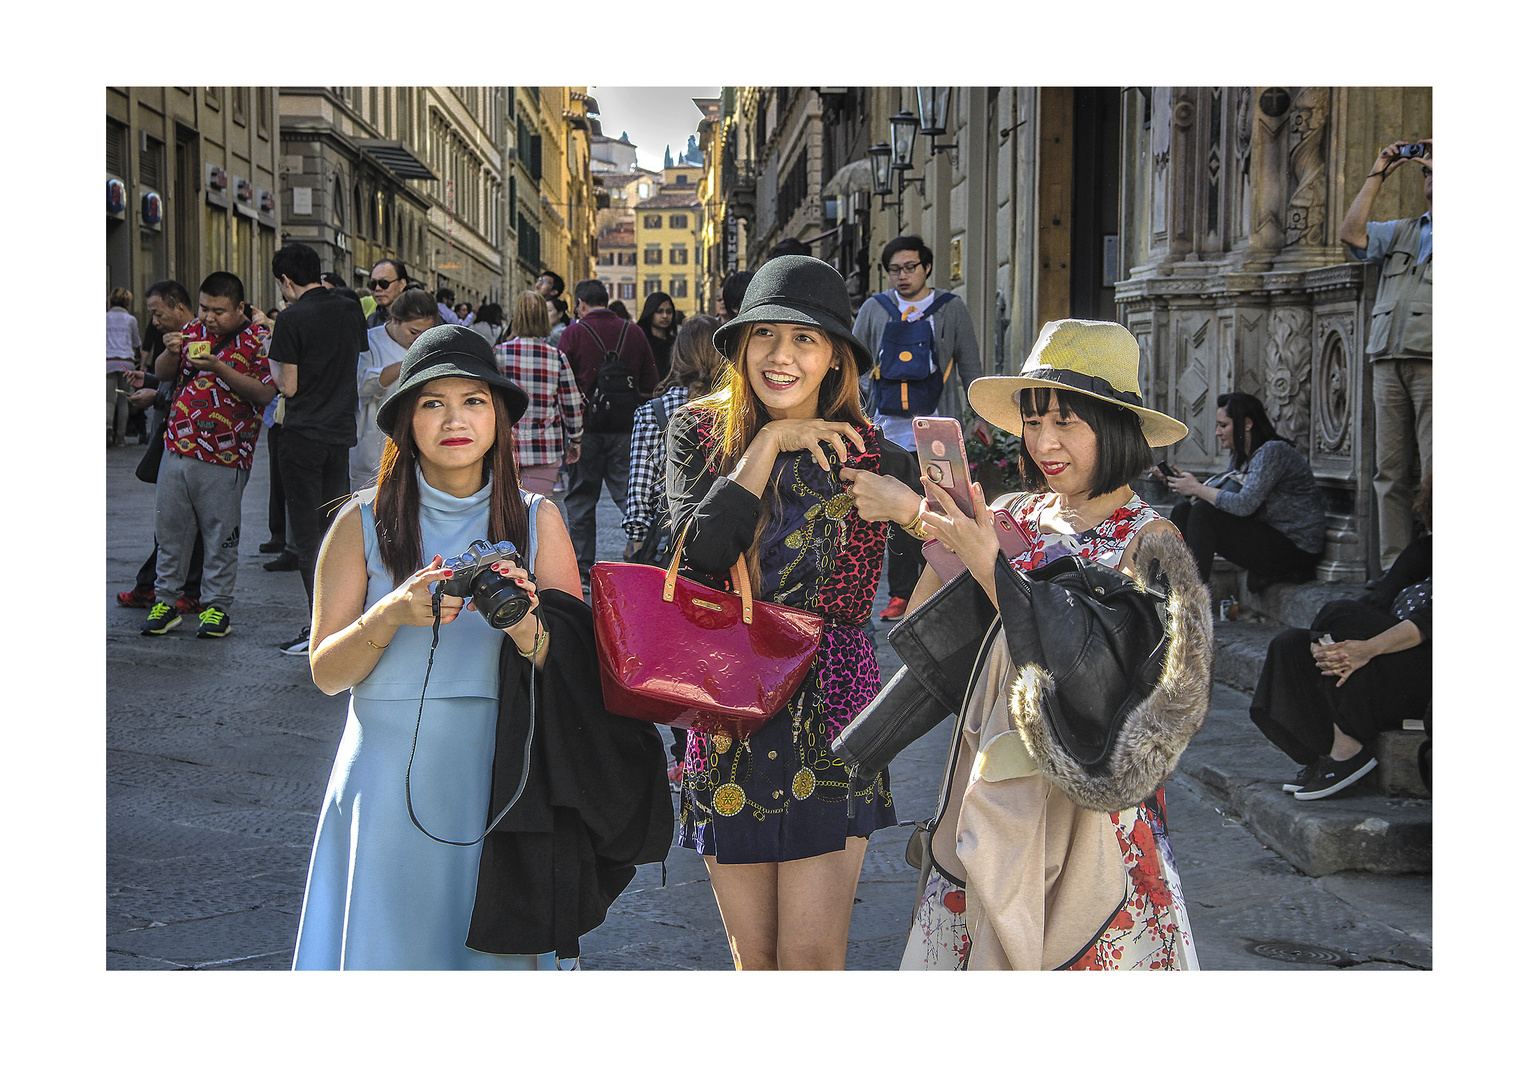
(646, 464)
(553, 415)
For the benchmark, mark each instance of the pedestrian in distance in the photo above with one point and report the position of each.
(551, 431)
(122, 345)
(1401, 344)
(917, 334)
(659, 323)
(732, 293)
(377, 377)
(388, 281)
(170, 312)
(314, 354)
(421, 753)
(1264, 513)
(489, 323)
(620, 309)
(1021, 876)
(779, 465)
(220, 368)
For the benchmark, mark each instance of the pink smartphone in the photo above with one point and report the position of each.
(947, 565)
(943, 458)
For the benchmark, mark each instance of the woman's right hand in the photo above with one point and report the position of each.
(812, 434)
(410, 603)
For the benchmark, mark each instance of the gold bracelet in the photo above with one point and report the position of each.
(916, 527)
(362, 626)
(538, 640)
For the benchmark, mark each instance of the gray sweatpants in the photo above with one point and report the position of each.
(192, 496)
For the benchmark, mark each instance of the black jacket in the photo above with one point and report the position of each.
(596, 804)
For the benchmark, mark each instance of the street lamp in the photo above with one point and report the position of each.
(935, 101)
(902, 127)
(881, 157)
(935, 107)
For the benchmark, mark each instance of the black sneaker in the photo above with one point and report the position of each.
(285, 561)
(1304, 775)
(1331, 776)
(162, 619)
(271, 547)
(213, 622)
(298, 646)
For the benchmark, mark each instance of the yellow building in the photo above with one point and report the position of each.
(667, 232)
(710, 193)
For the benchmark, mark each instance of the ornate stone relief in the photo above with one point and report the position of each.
(1331, 387)
(1288, 358)
(1309, 122)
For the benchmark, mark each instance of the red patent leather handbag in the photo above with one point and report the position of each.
(679, 653)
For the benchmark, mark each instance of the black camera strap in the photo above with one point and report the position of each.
(526, 755)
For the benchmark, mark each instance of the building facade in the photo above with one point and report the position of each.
(1204, 218)
(667, 230)
(192, 181)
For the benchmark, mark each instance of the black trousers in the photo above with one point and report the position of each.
(1244, 541)
(316, 478)
(1297, 707)
(276, 506)
(905, 562)
(193, 587)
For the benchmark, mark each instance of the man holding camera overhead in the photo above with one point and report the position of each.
(1400, 345)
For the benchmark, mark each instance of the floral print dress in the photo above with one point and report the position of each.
(1150, 930)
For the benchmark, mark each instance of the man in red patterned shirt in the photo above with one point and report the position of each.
(223, 382)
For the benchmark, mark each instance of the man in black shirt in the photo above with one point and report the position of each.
(313, 355)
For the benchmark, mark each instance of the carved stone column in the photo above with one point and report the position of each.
(1268, 171)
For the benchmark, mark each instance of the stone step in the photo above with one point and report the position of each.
(1230, 763)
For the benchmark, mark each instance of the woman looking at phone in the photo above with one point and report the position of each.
(1022, 877)
(752, 469)
(1264, 513)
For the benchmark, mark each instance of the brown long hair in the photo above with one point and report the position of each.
(397, 507)
(738, 416)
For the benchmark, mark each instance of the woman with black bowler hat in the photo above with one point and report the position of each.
(781, 465)
(381, 893)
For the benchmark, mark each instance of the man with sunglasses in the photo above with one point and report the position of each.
(388, 281)
(908, 263)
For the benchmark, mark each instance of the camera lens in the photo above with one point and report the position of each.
(499, 599)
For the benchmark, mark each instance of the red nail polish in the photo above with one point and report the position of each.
(449, 573)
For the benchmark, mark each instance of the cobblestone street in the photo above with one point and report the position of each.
(218, 752)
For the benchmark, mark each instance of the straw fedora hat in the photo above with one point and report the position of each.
(1097, 359)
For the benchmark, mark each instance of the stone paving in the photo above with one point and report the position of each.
(218, 752)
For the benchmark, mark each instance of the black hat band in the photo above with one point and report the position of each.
(1090, 384)
(796, 302)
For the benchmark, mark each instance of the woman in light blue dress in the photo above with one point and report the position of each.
(381, 894)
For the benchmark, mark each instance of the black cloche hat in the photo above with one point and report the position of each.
(449, 352)
(796, 289)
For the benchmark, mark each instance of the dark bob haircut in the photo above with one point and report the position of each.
(1121, 451)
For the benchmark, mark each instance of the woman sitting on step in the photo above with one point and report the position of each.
(1326, 693)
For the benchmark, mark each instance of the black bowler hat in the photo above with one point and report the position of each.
(449, 352)
(796, 289)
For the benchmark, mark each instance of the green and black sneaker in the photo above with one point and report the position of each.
(213, 622)
(162, 619)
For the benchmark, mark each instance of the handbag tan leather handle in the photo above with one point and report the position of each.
(741, 577)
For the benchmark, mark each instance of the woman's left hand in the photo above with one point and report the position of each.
(972, 539)
(1343, 658)
(1184, 483)
(879, 497)
(524, 633)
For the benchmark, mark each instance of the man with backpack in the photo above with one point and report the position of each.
(615, 372)
(917, 336)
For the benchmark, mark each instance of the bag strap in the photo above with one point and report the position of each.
(741, 577)
(891, 308)
(939, 302)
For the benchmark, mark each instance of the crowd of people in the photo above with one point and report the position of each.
(417, 446)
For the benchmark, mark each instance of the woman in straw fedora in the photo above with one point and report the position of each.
(780, 465)
(1021, 876)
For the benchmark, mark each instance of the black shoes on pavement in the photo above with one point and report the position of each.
(285, 561)
(298, 646)
(271, 547)
(1330, 776)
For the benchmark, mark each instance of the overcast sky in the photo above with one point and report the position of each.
(652, 116)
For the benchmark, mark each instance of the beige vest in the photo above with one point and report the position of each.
(1401, 317)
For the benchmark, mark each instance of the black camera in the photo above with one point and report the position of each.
(498, 598)
(1413, 150)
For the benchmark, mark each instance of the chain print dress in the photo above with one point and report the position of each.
(781, 794)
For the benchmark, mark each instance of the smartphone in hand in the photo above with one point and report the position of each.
(947, 565)
(1166, 468)
(943, 458)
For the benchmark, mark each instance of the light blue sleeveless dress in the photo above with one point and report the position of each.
(381, 894)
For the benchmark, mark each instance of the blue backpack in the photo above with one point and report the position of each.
(905, 380)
